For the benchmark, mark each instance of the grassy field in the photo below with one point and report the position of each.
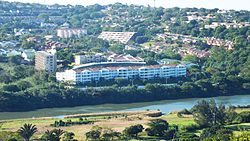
(117, 122)
(180, 121)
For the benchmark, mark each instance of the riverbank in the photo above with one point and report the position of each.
(165, 106)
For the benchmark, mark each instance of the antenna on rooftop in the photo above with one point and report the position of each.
(154, 3)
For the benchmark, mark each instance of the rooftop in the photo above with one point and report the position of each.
(114, 68)
(109, 64)
(122, 37)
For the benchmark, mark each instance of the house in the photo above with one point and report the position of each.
(7, 44)
(28, 55)
(3, 52)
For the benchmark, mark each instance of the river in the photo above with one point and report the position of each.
(165, 106)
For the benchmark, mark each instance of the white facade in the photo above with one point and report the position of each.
(127, 72)
(68, 32)
(68, 75)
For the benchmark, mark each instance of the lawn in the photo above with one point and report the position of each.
(180, 121)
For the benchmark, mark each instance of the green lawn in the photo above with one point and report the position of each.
(180, 121)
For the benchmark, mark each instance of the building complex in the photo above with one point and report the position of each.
(124, 70)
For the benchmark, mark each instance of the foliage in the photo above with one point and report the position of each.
(242, 137)
(70, 123)
(133, 130)
(53, 135)
(10, 136)
(207, 113)
(157, 127)
(102, 134)
(216, 133)
(27, 131)
(69, 136)
(243, 117)
(94, 134)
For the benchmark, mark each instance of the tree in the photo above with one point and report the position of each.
(133, 130)
(27, 131)
(16, 59)
(207, 113)
(141, 39)
(27, 45)
(94, 134)
(157, 127)
(117, 48)
(58, 133)
(216, 133)
(53, 135)
(110, 135)
(48, 136)
(69, 136)
(190, 58)
(23, 85)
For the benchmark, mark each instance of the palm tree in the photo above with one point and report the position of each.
(27, 131)
(58, 133)
(53, 135)
(49, 135)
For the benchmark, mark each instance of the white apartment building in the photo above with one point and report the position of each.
(122, 37)
(83, 59)
(97, 72)
(69, 32)
(45, 61)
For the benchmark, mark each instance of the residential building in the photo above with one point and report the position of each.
(53, 46)
(125, 70)
(45, 61)
(3, 52)
(229, 45)
(122, 37)
(9, 44)
(228, 25)
(70, 32)
(28, 55)
(198, 53)
(83, 59)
